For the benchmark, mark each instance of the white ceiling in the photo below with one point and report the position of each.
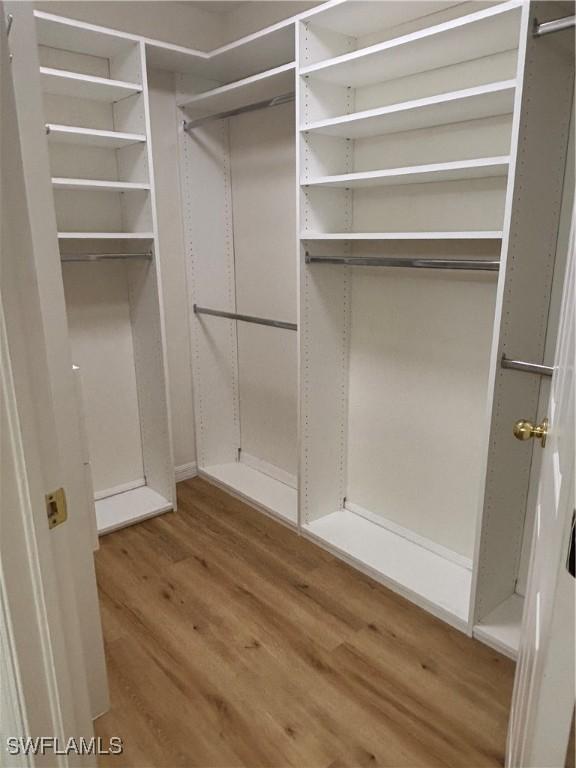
(217, 6)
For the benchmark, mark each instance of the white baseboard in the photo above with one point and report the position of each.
(269, 469)
(186, 471)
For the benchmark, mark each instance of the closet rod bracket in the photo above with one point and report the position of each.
(521, 365)
(557, 25)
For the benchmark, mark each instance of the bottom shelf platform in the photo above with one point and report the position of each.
(439, 585)
(256, 488)
(129, 507)
(501, 629)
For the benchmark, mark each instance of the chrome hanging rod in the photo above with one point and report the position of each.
(284, 98)
(103, 256)
(385, 261)
(520, 365)
(245, 318)
(557, 25)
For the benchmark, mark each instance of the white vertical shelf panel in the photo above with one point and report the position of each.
(149, 333)
(540, 141)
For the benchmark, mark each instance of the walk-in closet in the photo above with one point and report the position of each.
(314, 254)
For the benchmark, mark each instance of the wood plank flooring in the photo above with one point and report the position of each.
(232, 641)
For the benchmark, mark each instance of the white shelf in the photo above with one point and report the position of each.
(434, 582)
(454, 107)
(264, 50)
(62, 83)
(105, 235)
(256, 488)
(79, 36)
(97, 185)
(359, 18)
(265, 85)
(484, 33)
(128, 508)
(502, 628)
(69, 134)
(434, 172)
(478, 235)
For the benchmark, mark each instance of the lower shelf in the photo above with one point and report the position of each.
(441, 586)
(501, 629)
(256, 488)
(129, 507)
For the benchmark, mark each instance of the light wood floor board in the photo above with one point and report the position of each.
(231, 641)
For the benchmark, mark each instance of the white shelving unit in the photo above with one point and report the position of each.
(410, 121)
(97, 122)
(484, 33)
(245, 374)
(414, 142)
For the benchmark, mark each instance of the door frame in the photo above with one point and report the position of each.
(51, 646)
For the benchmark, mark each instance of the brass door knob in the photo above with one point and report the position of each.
(525, 430)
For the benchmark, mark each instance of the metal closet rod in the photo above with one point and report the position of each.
(245, 318)
(275, 101)
(520, 365)
(481, 265)
(557, 25)
(103, 256)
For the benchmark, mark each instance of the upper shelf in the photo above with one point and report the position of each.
(69, 134)
(264, 50)
(456, 107)
(433, 172)
(356, 18)
(239, 94)
(62, 83)
(493, 30)
(81, 37)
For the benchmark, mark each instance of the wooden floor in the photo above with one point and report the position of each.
(231, 641)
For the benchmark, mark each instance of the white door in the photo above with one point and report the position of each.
(543, 700)
(50, 639)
